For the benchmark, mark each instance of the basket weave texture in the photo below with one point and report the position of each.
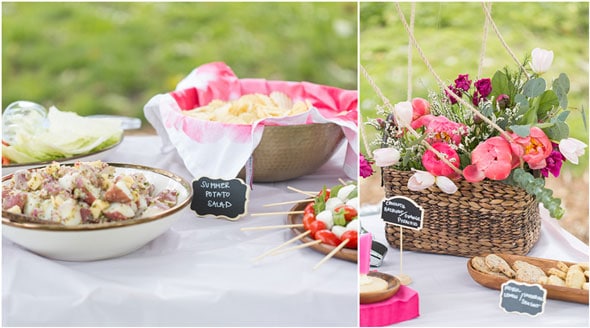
(289, 151)
(485, 217)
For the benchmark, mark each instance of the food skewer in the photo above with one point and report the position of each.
(310, 243)
(298, 225)
(332, 253)
(258, 258)
(276, 213)
(307, 193)
(306, 200)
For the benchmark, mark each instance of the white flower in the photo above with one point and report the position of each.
(403, 112)
(541, 60)
(422, 180)
(386, 156)
(572, 149)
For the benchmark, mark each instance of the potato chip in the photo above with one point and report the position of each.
(249, 108)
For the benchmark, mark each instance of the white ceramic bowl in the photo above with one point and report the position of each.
(89, 242)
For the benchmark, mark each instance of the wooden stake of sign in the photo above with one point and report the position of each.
(402, 212)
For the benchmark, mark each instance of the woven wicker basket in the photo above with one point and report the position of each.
(485, 217)
(288, 152)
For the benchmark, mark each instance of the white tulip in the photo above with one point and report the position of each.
(386, 156)
(541, 60)
(420, 180)
(572, 149)
(403, 112)
(446, 185)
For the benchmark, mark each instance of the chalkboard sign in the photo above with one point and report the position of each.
(523, 298)
(221, 198)
(402, 211)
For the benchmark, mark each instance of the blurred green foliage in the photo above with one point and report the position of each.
(111, 58)
(451, 35)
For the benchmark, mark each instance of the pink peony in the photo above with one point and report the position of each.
(420, 108)
(533, 149)
(441, 128)
(491, 159)
(435, 165)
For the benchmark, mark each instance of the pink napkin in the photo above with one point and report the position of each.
(220, 150)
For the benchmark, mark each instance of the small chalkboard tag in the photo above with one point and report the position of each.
(402, 211)
(523, 298)
(219, 197)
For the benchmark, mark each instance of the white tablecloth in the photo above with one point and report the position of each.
(199, 273)
(449, 297)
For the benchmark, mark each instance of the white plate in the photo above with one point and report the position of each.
(94, 156)
(88, 242)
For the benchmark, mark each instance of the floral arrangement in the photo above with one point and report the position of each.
(510, 128)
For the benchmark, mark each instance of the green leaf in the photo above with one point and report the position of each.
(530, 117)
(563, 116)
(534, 87)
(339, 218)
(500, 84)
(561, 86)
(522, 102)
(558, 131)
(563, 82)
(547, 102)
(583, 112)
(521, 130)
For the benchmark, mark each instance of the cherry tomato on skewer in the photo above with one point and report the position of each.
(349, 212)
(316, 226)
(352, 237)
(327, 237)
(308, 219)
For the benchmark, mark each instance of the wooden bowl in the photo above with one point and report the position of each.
(553, 292)
(347, 254)
(393, 285)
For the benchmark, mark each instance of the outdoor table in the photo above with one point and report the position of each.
(199, 273)
(450, 297)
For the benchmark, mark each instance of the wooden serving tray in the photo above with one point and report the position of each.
(347, 254)
(553, 292)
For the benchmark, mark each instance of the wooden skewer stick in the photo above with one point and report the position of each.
(307, 193)
(311, 243)
(273, 227)
(276, 213)
(258, 258)
(307, 200)
(332, 253)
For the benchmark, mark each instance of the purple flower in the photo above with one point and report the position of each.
(554, 162)
(455, 91)
(484, 87)
(503, 101)
(476, 98)
(463, 82)
(365, 168)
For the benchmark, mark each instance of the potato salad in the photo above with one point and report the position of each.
(84, 193)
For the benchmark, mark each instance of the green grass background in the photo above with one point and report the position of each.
(111, 58)
(451, 37)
